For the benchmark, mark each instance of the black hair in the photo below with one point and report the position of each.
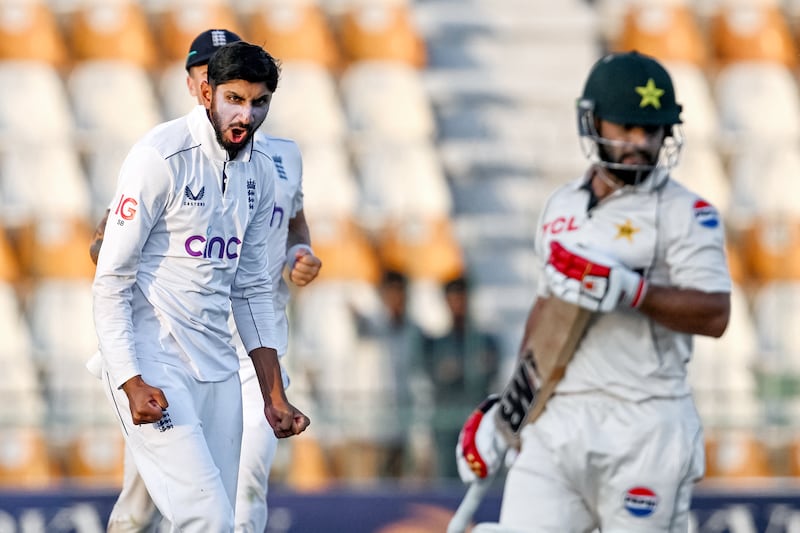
(394, 277)
(243, 61)
(459, 284)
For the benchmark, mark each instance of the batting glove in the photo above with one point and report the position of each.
(481, 448)
(595, 282)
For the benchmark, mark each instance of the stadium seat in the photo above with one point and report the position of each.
(182, 20)
(294, 31)
(400, 181)
(329, 186)
(9, 262)
(112, 31)
(49, 121)
(308, 469)
(693, 92)
(752, 31)
(666, 30)
(423, 248)
(757, 102)
(344, 249)
(57, 248)
(733, 454)
(381, 30)
(25, 461)
(172, 91)
(29, 31)
(306, 106)
(386, 100)
(95, 456)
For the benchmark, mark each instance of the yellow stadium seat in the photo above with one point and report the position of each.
(29, 31)
(178, 25)
(669, 32)
(771, 248)
(294, 31)
(57, 249)
(753, 31)
(736, 454)
(309, 470)
(345, 250)
(112, 31)
(381, 31)
(9, 264)
(96, 457)
(422, 248)
(24, 459)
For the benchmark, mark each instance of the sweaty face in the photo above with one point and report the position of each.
(633, 150)
(237, 109)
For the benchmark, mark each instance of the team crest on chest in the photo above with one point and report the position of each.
(251, 193)
(626, 231)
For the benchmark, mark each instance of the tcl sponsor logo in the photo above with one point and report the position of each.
(559, 225)
(126, 207)
(213, 247)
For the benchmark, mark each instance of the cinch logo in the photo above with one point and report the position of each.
(194, 199)
(706, 214)
(560, 224)
(641, 501)
(126, 207)
(279, 167)
(199, 246)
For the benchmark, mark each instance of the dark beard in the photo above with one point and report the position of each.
(626, 176)
(230, 147)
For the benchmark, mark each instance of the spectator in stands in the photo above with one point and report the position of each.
(462, 366)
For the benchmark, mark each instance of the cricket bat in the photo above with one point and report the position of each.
(558, 329)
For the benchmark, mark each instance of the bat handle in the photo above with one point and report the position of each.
(469, 504)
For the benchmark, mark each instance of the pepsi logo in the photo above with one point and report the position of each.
(641, 501)
(706, 214)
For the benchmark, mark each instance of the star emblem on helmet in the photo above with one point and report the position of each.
(651, 95)
(626, 231)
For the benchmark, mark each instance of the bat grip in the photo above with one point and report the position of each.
(469, 504)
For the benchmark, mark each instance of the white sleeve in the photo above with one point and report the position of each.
(252, 291)
(143, 190)
(297, 204)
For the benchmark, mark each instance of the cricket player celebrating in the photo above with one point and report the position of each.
(134, 511)
(187, 242)
(619, 445)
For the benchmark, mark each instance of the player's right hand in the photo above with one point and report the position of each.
(146, 402)
(481, 449)
(286, 420)
(587, 278)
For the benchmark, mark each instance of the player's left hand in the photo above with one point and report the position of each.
(306, 267)
(286, 420)
(587, 278)
(481, 448)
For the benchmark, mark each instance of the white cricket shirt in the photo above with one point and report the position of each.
(179, 253)
(659, 229)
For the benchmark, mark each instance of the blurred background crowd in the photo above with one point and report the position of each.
(431, 131)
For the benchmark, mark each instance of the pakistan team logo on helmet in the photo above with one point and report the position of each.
(631, 88)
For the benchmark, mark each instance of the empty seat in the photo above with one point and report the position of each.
(693, 92)
(29, 31)
(52, 185)
(422, 247)
(392, 175)
(344, 248)
(294, 31)
(752, 31)
(736, 454)
(25, 458)
(381, 31)
(386, 100)
(9, 262)
(756, 102)
(49, 120)
(94, 456)
(666, 30)
(306, 105)
(173, 94)
(112, 30)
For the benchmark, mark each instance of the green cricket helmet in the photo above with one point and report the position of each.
(630, 89)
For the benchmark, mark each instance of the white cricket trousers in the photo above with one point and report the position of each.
(259, 444)
(594, 461)
(189, 460)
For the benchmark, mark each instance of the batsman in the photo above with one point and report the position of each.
(618, 445)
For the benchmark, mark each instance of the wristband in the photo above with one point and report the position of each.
(292, 252)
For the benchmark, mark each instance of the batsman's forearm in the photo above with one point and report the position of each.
(268, 372)
(688, 310)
